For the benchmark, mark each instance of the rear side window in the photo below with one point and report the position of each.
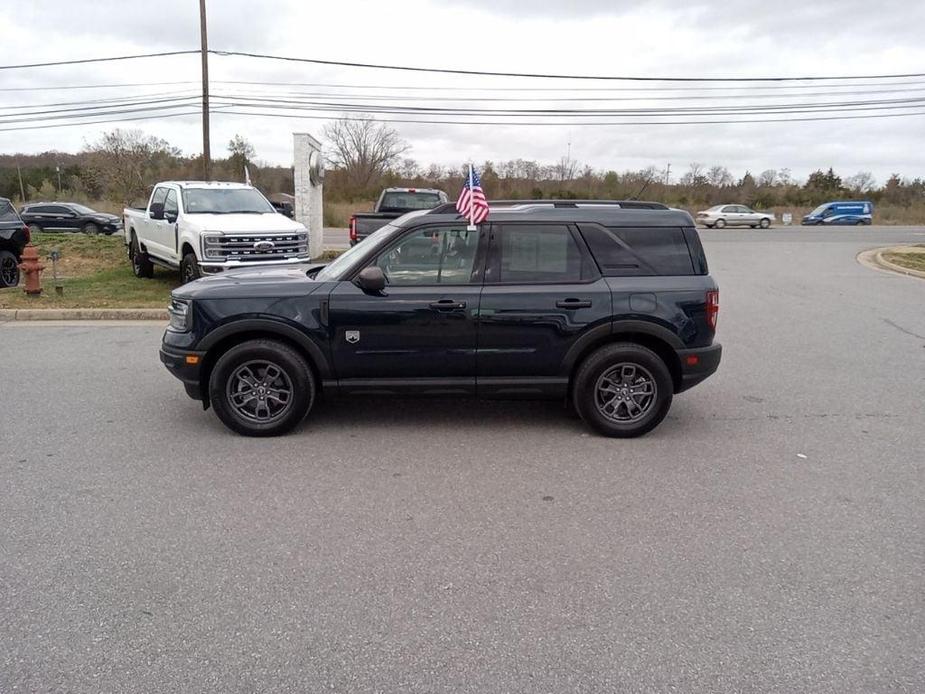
(7, 212)
(539, 254)
(639, 251)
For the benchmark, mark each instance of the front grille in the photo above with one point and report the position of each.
(242, 247)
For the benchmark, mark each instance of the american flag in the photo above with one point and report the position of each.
(472, 202)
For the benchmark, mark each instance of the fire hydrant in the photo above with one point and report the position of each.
(32, 268)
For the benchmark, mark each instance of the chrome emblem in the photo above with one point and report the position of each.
(352, 336)
(264, 246)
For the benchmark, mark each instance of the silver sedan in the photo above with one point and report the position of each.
(720, 216)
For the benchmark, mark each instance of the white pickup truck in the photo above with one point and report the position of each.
(198, 228)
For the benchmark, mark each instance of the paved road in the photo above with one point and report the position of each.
(768, 537)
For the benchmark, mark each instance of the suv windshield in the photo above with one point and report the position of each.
(82, 210)
(225, 201)
(397, 201)
(345, 260)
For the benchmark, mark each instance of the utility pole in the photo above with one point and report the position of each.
(204, 47)
(58, 171)
(22, 190)
(668, 174)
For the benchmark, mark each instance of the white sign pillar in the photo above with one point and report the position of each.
(308, 165)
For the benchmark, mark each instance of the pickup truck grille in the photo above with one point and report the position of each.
(254, 247)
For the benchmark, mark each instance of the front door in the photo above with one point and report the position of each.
(419, 334)
(542, 293)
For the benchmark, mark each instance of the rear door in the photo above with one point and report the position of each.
(419, 334)
(542, 293)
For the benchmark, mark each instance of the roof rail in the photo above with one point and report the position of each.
(622, 204)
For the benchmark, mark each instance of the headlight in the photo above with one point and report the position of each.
(181, 317)
(211, 244)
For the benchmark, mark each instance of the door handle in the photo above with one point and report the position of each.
(573, 303)
(448, 305)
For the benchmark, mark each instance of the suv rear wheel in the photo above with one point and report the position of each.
(261, 388)
(623, 390)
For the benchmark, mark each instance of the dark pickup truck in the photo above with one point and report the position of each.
(14, 235)
(392, 204)
(607, 306)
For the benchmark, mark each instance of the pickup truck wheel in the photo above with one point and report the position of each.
(261, 388)
(189, 268)
(90, 229)
(141, 265)
(623, 390)
(9, 270)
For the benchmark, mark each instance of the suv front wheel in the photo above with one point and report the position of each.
(623, 390)
(261, 388)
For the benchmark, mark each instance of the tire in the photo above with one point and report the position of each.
(35, 228)
(753, 226)
(9, 270)
(142, 266)
(90, 229)
(720, 223)
(257, 412)
(626, 367)
(189, 268)
(764, 223)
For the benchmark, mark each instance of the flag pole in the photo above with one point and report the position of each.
(471, 226)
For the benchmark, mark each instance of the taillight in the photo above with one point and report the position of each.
(353, 228)
(712, 307)
(28, 233)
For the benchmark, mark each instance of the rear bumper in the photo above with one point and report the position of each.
(698, 364)
(190, 374)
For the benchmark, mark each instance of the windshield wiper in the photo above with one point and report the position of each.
(244, 212)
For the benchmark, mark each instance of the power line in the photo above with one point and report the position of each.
(483, 73)
(94, 86)
(82, 61)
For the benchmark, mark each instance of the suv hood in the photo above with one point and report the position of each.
(246, 223)
(273, 282)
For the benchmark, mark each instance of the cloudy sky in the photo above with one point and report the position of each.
(661, 38)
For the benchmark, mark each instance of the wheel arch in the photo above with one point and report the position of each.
(660, 340)
(222, 339)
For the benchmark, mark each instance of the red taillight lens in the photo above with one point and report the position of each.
(28, 234)
(712, 307)
(353, 228)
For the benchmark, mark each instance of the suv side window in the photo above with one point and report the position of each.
(433, 255)
(623, 251)
(7, 212)
(539, 254)
(170, 203)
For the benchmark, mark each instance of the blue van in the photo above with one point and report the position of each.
(850, 212)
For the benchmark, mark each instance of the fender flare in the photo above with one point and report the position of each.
(618, 327)
(270, 327)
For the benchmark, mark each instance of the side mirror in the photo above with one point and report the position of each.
(170, 216)
(371, 279)
(156, 210)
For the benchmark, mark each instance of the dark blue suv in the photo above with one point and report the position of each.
(605, 305)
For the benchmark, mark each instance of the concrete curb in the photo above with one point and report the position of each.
(874, 259)
(39, 314)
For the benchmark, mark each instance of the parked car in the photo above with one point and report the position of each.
(68, 216)
(839, 213)
(392, 204)
(14, 235)
(606, 306)
(198, 228)
(720, 216)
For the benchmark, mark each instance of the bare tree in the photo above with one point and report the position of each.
(364, 149)
(719, 176)
(861, 182)
(767, 178)
(127, 162)
(695, 176)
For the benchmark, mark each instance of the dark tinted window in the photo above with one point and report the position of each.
(395, 200)
(7, 212)
(60, 209)
(633, 251)
(539, 254)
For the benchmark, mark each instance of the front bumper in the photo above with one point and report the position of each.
(220, 265)
(698, 364)
(178, 363)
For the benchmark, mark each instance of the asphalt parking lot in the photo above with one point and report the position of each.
(767, 537)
